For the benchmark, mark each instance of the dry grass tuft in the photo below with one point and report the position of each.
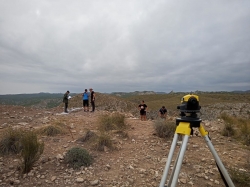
(115, 121)
(10, 141)
(31, 151)
(104, 140)
(89, 135)
(239, 178)
(164, 129)
(51, 130)
(237, 128)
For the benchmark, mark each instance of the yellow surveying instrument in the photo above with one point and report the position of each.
(189, 108)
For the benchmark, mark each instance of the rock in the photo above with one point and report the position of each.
(78, 172)
(108, 166)
(179, 143)
(79, 180)
(23, 123)
(216, 182)
(183, 181)
(106, 149)
(94, 183)
(59, 157)
(164, 160)
(53, 178)
(16, 182)
(130, 167)
(11, 167)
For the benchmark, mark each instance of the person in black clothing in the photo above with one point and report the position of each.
(92, 97)
(143, 108)
(163, 112)
(66, 101)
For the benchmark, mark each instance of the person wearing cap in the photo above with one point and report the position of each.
(163, 112)
(66, 101)
(92, 97)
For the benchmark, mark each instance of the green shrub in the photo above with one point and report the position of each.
(77, 157)
(10, 141)
(112, 122)
(88, 136)
(31, 151)
(239, 178)
(103, 141)
(51, 130)
(164, 129)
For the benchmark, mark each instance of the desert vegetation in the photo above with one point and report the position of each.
(31, 151)
(51, 130)
(237, 128)
(77, 157)
(165, 129)
(24, 142)
(71, 141)
(10, 141)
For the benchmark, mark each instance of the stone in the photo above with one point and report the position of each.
(79, 180)
(53, 178)
(94, 183)
(164, 160)
(183, 181)
(216, 182)
(59, 157)
(17, 182)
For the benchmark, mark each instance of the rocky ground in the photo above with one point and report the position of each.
(138, 161)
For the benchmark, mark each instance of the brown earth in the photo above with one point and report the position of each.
(139, 160)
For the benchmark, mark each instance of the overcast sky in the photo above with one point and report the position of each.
(118, 45)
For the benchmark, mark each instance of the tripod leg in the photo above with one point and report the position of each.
(216, 157)
(180, 159)
(170, 156)
(172, 174)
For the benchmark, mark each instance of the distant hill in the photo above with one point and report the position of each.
(153, 99)
(40, 100)
(239, 91)
(128, 94)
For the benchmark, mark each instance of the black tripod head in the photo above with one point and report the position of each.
(189, 108)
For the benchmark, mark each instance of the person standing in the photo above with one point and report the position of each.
(92, 97)
(85, 98)
(143, 110)
(163, 112)
(66, 101)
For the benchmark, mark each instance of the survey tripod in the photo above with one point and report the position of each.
(184, 129)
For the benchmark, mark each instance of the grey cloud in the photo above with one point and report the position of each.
(124, 45)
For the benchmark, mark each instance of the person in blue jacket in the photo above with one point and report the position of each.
(85, 98)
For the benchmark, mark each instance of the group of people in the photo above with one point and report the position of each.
(143, 111)
(86, 96)
(91, 95)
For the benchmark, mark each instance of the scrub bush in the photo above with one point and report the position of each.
(77, 157)
(164, 129)
(32, 149)
(10, 141)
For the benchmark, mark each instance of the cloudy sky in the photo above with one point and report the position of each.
(117, 45)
